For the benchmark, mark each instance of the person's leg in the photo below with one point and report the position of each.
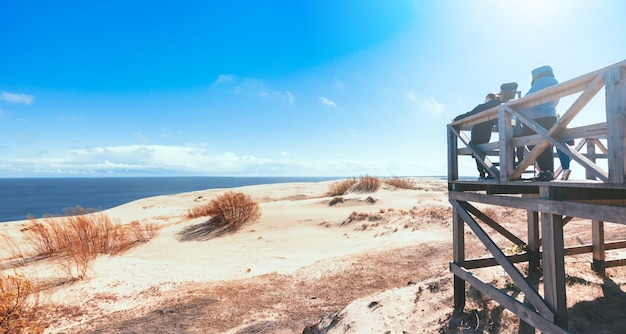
(481, 134)
(546, 159)
(563, 158)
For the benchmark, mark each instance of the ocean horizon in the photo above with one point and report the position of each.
(21, 198)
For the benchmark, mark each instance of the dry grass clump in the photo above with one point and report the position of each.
(367, 184)
(341, 187)
(18, 304)
(364, 184)
(401, 183)
(78, 238)
(230, 211)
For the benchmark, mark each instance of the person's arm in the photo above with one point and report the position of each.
(481, 107)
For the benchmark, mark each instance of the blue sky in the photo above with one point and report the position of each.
(263, 88)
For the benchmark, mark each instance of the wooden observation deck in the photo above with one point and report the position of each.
(600, 197)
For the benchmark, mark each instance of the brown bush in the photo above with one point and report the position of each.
(367, 184)
(341, 187)
(78, 238)
(402, 183)
(18, 304)
(229, 211)
(198, 211)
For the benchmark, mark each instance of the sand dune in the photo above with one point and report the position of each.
(373, 263)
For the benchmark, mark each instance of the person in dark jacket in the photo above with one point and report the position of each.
(545, 115)
(481, 133)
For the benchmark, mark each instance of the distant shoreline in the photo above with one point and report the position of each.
(37, 197)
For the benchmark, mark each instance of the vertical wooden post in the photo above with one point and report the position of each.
(553, 261)
(534, 272)
(453, 159)
(458, 255)
(597, 236)
(505, 146)
(615, 88)
(591, 154)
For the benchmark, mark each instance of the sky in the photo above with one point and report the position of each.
(271, 88)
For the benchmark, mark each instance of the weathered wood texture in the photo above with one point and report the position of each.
(549, 205)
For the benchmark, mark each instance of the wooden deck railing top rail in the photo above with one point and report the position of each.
(612, 78)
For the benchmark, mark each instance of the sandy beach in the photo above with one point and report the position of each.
(303, 262)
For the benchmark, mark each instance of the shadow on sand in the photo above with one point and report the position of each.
(606, 314)
(212, 228)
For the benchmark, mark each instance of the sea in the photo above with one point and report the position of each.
(21, 198)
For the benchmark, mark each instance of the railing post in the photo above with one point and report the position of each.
(615, 88)
(505, 144)
(453, 158)
(458, 256)
(597, 236)
(591, 154)
(553, 261)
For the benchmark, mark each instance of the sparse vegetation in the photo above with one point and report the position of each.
(18, 303)
(341, 187)
(367, 184)
(229, 211)
(364, 184)
(402, 183)
(78, 238)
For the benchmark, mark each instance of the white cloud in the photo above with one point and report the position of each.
(430, 105)
(290, 97)
(411, 96)
(16, 98)
(253, 87)
(225, 78)
(327, 102)
(339, 84)
(191, 160)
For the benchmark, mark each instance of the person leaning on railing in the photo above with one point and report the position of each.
(481, 133)
(544, 115)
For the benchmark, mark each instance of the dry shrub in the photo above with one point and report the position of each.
(142, 233)
(434, 213)
(402, 183)
(15, 250)
(361, 216)
(367, 184)
(78, 238)
(18, 304)
(198, 211)
(342, 187)
(231, 210)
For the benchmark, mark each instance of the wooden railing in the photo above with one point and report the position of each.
(611, 130)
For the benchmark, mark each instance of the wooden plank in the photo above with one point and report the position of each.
(597, 237)
(522, 311)
(615, 80)
(545, 142)
(492, 262)
(476, 153)
(516, 276)
(587, 95)
(601, 146)
(553, 260)
(458, 256)
(581, 210)
(453, 159)
(615, 263)
(505, 147)
(517, 258)
(494, 225)
(563, 89)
